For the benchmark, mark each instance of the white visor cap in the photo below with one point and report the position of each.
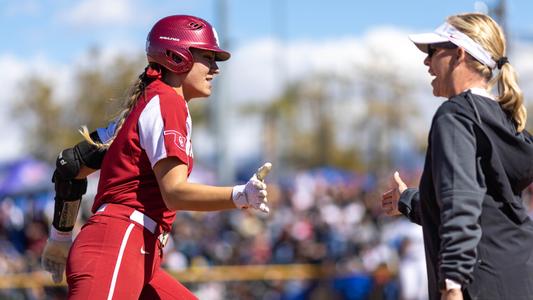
(448, 33)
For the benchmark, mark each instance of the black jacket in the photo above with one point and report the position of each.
(476, 228)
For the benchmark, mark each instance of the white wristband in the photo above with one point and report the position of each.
(451, 284)
(60, 236)
(238, 196)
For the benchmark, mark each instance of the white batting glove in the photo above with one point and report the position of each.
(55, 253)
(253, 194)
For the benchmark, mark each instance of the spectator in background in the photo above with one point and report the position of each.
(477, 233)
(412, 266)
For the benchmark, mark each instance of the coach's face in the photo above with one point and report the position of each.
(197, 82)
(440, 63)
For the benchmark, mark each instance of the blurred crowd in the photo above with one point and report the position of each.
(325, 217)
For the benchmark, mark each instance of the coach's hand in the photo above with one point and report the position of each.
(253, 194)
(389, 199)
(55, 253)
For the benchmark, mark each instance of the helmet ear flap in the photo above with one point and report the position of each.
(180, 59)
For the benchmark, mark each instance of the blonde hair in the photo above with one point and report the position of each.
(134, 93)
(487, 33)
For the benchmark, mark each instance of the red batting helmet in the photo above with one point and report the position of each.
(169, 41)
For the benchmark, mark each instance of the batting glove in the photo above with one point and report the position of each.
(55, 253)
(253, 194)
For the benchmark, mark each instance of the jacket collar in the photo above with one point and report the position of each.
(481, 92)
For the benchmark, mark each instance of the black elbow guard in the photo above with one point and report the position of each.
(70, 161)
(68, 164)
(90, 155)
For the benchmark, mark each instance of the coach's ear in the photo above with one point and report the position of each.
(459, 57)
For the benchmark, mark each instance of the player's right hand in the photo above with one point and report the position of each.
(54, 257)
(253, 194)
(389, 199)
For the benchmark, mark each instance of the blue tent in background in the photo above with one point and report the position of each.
(24, 176)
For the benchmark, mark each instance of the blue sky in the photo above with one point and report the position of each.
(62, 29)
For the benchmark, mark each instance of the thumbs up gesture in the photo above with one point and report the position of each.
(263, 171)
(253, 194)
(389, 199)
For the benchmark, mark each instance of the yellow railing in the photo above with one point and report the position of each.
(196, 274)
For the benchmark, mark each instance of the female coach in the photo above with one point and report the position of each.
(478, 236)
(143, 179)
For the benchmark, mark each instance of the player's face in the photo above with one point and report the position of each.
(440, 65)
(197, 83)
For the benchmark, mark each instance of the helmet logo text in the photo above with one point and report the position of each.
(169, 38)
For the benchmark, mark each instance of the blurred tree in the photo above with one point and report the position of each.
(43, 118)
(301, 128)
(51, 124)
(307, 125)
(390, 110)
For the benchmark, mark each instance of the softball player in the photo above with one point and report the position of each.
(143, 179)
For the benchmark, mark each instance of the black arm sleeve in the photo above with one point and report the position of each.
(458, 194)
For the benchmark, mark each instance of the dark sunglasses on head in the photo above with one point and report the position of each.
(445, 45)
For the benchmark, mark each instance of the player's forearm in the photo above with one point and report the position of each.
(198, 197)
(84, 172)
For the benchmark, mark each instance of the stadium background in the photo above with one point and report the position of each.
(335, 117)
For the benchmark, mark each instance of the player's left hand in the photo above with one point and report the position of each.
(54, 257)
(253, 194)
